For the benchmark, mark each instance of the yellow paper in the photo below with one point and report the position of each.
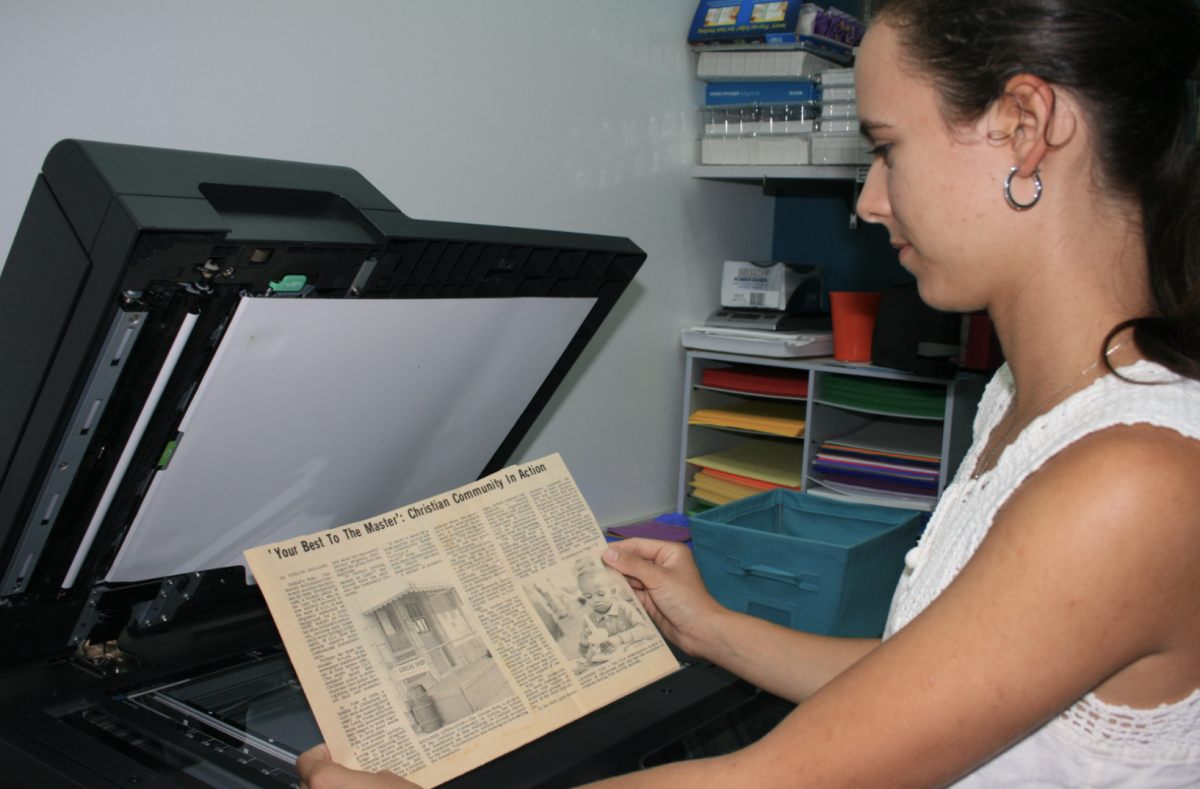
(778, 462)
(784, 419)
(724, 487)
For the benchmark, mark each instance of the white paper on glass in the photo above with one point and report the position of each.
(317, 413)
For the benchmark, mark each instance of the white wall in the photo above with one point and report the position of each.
(562, 114)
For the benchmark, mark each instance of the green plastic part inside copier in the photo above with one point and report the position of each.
(289, 284)
(168, 452)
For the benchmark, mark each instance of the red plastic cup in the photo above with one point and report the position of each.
(853, 324)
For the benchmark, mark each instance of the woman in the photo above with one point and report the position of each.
(1031, 159)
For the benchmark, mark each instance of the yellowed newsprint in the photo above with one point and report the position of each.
(434, 638)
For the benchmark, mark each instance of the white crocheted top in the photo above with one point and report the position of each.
(1092, 743)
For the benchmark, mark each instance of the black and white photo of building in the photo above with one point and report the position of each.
(441, 663)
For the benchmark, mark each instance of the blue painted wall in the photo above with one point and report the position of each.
(812, 225)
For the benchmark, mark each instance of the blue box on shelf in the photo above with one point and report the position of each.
(761, 92)
(807, 562)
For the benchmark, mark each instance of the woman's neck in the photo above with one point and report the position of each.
(1053, 324)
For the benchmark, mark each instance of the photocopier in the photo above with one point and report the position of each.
(201, 353)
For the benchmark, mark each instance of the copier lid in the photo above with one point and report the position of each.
(316, 413)
(410, 357)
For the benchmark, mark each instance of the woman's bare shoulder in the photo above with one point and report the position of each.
(1121, 493)
(1116, 518)
(1135, 471)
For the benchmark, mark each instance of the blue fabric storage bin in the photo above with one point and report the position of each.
(806, 562)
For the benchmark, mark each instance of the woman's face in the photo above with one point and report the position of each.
(938, 190)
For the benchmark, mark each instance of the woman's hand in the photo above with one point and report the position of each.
(318, 771)
(668, 584)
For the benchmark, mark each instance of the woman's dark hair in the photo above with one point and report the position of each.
(1129, 64)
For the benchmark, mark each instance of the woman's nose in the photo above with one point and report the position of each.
(873, 204)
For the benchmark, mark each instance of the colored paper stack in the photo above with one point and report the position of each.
(749, 379)
(781, 419)
(757, 465)
(885, 395)
(671, 526)
(891, 459)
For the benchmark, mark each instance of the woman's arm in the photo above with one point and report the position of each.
(1087, 581)
(786, 662)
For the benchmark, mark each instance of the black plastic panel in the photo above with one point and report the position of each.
(44, 251)
(169, 231)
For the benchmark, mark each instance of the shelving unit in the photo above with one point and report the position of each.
(824, 420)
(774, 177)
(780, 172)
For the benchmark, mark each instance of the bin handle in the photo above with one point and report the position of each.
(806, 581)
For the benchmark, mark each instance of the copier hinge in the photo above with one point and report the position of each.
(360, 279)
(89, 617)
(174, 592)
(105, 658)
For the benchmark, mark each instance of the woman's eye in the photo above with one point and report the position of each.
(881, 149)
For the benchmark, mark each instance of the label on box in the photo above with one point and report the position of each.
(768, 286)
(723, 20)
(793, 24)
(762, 92)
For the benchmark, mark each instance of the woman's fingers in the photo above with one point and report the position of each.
(318, 771)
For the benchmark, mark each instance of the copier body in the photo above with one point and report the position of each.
(202, 353)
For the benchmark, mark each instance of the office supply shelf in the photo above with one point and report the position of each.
(876, 412)
(736, 393)
(757, 174)
(751, 433)
(824, 420)
(774, 178)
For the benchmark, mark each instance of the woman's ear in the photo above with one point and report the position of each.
(1026, 119)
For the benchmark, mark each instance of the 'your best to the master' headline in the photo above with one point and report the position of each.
(384, 522)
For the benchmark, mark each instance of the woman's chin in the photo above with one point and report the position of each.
(944, 299)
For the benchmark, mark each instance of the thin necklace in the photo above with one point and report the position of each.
(982, 466)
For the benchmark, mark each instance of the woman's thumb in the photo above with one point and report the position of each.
(631, 564)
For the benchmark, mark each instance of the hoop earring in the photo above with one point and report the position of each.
(1037, 181)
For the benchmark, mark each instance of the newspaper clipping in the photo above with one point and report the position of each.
(432, 639)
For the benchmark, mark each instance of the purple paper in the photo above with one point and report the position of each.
(840, 26)
(654, 530)
(881, 484)
(674, 518)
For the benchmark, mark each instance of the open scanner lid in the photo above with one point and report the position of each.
(225, 351)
